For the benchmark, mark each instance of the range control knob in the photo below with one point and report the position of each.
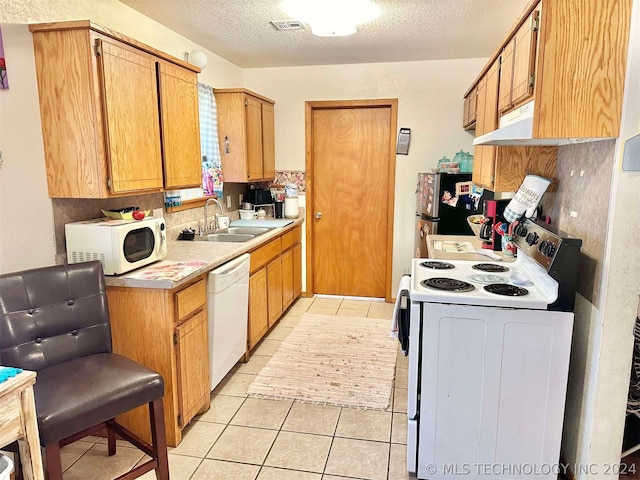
(547, 248)
(533, 238)
(521, 230)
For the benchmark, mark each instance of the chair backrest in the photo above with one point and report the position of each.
(53, 314)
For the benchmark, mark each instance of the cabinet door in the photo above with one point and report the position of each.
(258, 307)
(287, 278)
(268, 142)
(192, 365)
(506, 77)
(253, 123)
(130, 103)
(297, 270)
(180, 127)
(469, 112)
(274, 286)
(524, 59)
(486, 121)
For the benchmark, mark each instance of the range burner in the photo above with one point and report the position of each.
(490, 267)
(505, 289)
(447, 284)
(437, 265)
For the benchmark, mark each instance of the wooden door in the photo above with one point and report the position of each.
(258, 307)
(350, 215)
(192, 365)
(268, 142)
(180, 127)
(253, 123)
(130, 96)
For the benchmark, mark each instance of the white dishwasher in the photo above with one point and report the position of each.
(228, 304)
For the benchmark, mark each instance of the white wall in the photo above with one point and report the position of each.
(429, 102)
(26, 221)
(608, 374)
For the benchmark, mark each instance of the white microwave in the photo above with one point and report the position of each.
(120, 245)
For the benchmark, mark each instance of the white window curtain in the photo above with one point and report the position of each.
(212, 178)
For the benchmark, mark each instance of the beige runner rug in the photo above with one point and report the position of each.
(344, 361)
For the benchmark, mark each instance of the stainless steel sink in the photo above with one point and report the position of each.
(247, 230)
(233, 234)
(225, 237)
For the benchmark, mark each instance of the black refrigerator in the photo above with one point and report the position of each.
(444, 202)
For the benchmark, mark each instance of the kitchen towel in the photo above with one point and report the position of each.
(526, 198)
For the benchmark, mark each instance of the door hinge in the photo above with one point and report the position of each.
(246, 102)
(179, 419)
(108, 182)
(535, 24)
(175, 338)
(532, 80)
(98, 49)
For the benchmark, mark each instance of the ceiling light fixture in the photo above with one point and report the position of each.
(196, 57)
(332, 18)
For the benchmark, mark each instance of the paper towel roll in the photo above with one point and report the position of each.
(291, 207)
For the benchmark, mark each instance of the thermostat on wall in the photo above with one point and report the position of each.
(404, 137)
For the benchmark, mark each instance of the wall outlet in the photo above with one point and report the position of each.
(228, 201)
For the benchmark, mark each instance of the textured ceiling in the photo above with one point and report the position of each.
(239, 30)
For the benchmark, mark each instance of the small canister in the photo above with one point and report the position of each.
(291, 207)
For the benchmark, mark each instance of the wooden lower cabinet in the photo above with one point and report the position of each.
(297, 270)
(165, 330)
(258, 306)
(287, 277)
(274, 283)
(274, 289)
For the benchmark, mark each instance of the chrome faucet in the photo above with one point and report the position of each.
(206, 226)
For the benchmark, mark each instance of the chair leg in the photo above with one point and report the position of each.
(54, 466)
(111, 440)
(159, 438)
(17, 467)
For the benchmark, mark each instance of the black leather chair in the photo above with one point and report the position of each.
(55, 321)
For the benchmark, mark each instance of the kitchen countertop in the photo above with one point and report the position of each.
(475, 242)
(192, 258)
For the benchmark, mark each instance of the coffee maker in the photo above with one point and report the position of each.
(493, 211)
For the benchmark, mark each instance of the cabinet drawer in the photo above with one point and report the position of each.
(191, 298)
(262, 255)
(287, 240)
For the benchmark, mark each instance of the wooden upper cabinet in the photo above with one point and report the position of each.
(130, 106)
(246, 135)
(268, 141)
(517, 65)
(571, 61)
(253, 120)
(101, 112)
(470, 108)
(180, 126)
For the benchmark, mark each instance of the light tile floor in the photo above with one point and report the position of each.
(243, 438)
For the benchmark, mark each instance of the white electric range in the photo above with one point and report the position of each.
(489, 346)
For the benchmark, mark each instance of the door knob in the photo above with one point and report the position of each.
(318, 214)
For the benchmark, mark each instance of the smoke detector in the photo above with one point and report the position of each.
(283, 25)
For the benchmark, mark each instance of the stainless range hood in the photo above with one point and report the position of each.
(516, 128)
